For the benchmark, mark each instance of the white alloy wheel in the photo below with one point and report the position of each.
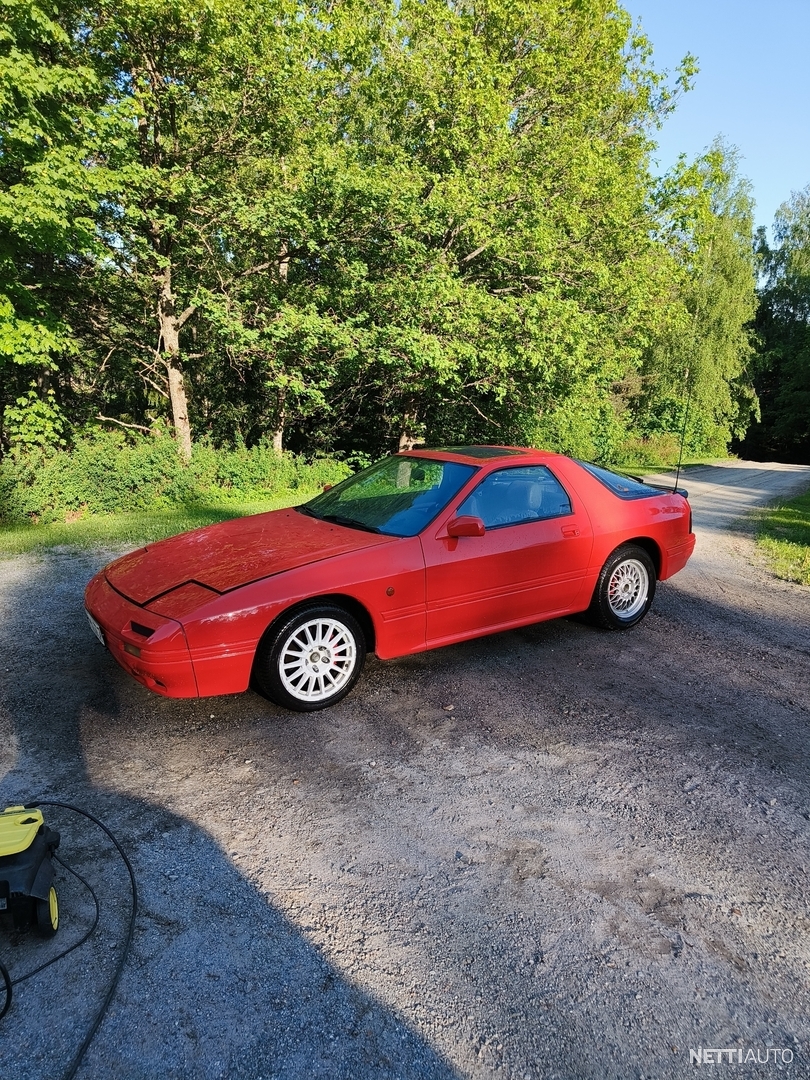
(317, 660)
(310, 659)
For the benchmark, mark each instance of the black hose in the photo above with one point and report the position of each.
(76, 944)
(8, 985)
(77, 1060)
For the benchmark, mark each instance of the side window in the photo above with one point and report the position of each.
(515, 496)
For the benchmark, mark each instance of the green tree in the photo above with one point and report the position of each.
(486, 239)
(48, 200)
(783, 325)
(704, 357)
(220, 124)
(369, 223)
(178, 86)
(434, 211)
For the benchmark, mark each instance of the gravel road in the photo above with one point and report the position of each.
(554, 853)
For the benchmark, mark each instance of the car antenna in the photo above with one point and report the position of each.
(683, 430)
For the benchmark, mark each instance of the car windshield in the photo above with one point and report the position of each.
(398, 496)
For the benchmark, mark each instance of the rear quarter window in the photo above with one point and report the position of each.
(625, 487)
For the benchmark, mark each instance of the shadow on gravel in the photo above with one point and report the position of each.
(695, 675)
(218, 983)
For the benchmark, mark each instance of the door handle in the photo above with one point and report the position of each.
(570, 530)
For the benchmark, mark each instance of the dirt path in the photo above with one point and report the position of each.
(594, 861)
(720, 494)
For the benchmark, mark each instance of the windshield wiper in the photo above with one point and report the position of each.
(352, 523)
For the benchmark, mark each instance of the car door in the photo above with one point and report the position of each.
(529, 564)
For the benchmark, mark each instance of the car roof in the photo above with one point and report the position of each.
(479, 455)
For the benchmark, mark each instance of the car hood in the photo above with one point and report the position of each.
(234, 553)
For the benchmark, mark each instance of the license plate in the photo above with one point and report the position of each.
(95, 628)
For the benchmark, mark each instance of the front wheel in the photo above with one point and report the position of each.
(312, 659)
(625, 589)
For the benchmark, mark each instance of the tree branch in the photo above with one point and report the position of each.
(186, 315)
(257, 269)
(112, 420)
(154, 385)
(473, 254)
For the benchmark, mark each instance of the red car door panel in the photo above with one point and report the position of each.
(514, 573)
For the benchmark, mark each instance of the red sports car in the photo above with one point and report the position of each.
(419, 550)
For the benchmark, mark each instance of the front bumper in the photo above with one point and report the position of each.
(149, 647)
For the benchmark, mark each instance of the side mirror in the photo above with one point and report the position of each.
(465, 526)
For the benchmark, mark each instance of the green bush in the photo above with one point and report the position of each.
(109, 472)
(654, 451)
(589, 429)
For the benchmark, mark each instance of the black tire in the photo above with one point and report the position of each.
(46, 914)
(312, 659)
(625, 589)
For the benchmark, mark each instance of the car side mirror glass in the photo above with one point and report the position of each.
(466, 526)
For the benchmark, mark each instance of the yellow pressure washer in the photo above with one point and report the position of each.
(27, 893)
(28, 897)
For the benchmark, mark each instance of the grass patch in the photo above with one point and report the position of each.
(639, 468)
(144, 526)
(783, 535)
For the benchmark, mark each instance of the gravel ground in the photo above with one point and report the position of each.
(554, 853)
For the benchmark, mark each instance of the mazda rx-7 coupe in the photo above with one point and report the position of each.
(424, 548)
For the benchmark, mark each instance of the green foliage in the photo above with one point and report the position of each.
(587, 427)
(350, 226)
(509, 269)
(49, 195)
(783, 325)
(33, 420)
(699, 370)
(648, 452)
(106, 472)
(784, 537)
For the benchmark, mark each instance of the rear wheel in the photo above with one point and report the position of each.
(312, 659)
(46, 914)
(625, 589)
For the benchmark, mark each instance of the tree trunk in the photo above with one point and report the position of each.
(283, 262)
(281, 416)
(169, 346)
(177, 393)
(407, 435)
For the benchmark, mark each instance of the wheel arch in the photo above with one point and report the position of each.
(348, 603)
(649, 545)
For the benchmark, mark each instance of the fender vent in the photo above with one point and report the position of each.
(139, 628)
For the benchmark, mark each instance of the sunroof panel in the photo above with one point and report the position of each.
(479, 451)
